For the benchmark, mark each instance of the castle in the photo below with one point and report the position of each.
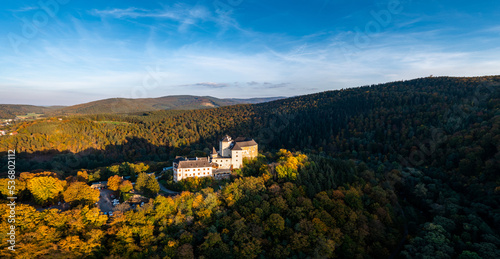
(230, 156)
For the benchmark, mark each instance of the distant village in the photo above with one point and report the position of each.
(6, 122)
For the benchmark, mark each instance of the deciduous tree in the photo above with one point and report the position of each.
(45, 188)
(81, 193)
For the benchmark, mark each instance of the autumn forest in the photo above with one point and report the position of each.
(406, 169)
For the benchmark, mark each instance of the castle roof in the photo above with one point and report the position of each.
(242, 139)
(244, 142)
(226, 139)
(192, 162)
(214, 151)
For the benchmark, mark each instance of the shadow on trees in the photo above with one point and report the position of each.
(134, 149)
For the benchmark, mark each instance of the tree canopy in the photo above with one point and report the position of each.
(81, 193)
(45, 188)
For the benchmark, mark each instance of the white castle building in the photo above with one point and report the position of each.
(230, 156)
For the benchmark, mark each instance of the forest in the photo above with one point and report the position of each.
(406, 169)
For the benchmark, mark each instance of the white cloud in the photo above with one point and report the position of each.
(183, 14)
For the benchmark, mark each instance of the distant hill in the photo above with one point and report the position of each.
(10, 111)
(257, 100)
(123, 105)
(175, 102)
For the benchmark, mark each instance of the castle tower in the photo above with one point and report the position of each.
(214, 153)
(224, 146)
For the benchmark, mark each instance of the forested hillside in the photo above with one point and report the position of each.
(123, 105)
(415, 158)
(10, 111)
(129, 106)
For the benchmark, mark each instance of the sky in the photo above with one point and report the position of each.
(66, 52)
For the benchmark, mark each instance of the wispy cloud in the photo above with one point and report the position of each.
(183, 14)
(211, 85)
(25, 9)
(267, 85)
(177, 12)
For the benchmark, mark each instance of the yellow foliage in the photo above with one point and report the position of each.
(81, 192)
(204, 213)
(93, 216)
(4, 186)
(75, 247)
(45, 188)
(172, 243)
(114, 182)
(198, 200)
(266, 177)
(82, 176)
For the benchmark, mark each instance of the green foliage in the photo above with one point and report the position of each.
(126, 186)
(152, 187)
(289, 164)
(141, 181)
(147, 184)
(191, 184)
(435, 243)
(255, 167)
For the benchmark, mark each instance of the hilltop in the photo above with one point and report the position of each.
(10, 111)
(128, 106)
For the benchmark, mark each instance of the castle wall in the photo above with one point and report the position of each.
(183, 173)
(237, 156)
(250, 152)
(224, 163)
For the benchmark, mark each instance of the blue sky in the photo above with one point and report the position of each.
(67, 52)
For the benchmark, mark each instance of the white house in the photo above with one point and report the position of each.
(191, 167)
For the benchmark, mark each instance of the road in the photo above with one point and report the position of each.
(105, 201)
(163, 189)
(62, 207)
